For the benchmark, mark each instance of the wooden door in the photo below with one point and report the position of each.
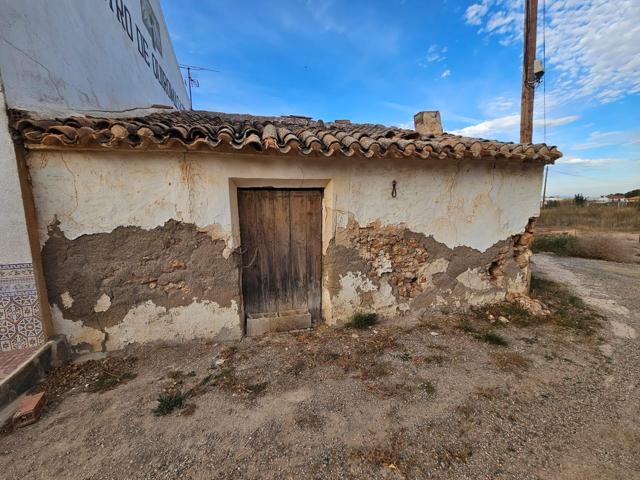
(281, 236)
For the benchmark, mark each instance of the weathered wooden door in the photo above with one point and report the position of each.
(281, 236)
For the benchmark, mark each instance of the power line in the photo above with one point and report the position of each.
(544, 93)
(193, 82)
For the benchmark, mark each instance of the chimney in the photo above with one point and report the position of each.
(428, 123)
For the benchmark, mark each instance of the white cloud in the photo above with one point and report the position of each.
(599, 139)
(435, 53)
(587, 162)
(473, 15)
(498, 106)
(446, 73)
(508, 125)
(591, 45)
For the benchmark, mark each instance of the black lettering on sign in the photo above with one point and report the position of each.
(123, 16)
(143, 46)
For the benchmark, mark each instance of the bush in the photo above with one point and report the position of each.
(565, 245)
(363, 320)
(596, 247)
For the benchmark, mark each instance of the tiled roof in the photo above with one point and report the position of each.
(290, 135)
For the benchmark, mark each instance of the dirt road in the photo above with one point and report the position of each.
(431, 399)
(613, 289)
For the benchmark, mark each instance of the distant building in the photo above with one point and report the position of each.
(616, 198)
(552, 200)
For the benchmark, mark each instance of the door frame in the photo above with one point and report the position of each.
(328, 222)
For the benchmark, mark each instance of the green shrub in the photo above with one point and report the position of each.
(565, 245)
(168, 402)
(362, 320)
(580, 200)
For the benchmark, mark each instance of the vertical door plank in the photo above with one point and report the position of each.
(299, 250)
(266, 236)
(314, 254)
(282, 250)
(250, 271)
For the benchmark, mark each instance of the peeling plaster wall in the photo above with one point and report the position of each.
(458, 203)
(452, 236)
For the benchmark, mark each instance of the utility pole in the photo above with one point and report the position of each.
(190, 82)
(528, 77)
(193, 82)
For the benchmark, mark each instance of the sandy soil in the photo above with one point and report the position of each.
(392, 402)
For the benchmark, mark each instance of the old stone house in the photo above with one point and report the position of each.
(175, 225)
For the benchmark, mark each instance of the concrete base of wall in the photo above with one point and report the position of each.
(282, 322)
(50, 355)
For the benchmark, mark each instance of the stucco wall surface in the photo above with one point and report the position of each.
(14, 240)
(87, 55)
(470, 204)
(452, 235)
(20, 316)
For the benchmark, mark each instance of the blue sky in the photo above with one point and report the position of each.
(382, 61)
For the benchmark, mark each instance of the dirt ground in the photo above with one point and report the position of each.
(421, 399)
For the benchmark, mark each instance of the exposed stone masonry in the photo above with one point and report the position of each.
(393, 251)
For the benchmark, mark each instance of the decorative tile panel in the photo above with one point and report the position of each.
(20, 319)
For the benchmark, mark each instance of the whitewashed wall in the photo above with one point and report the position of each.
(463, 203)
(13, 234)
(85, 55)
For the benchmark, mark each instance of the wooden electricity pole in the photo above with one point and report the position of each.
(528, 79)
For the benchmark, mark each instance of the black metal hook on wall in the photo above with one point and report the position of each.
(394, 193)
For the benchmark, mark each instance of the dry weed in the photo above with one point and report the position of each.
(510, 361)
(601, 217)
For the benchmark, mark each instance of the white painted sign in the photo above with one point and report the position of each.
(84, 55)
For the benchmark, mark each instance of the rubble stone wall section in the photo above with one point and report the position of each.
(392, 270)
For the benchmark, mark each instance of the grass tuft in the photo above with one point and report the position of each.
(168, 402)
(511, 361)
(427, 387)
(362, 320)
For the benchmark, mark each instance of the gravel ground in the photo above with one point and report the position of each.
(411, 399)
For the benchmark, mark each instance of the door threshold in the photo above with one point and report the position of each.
(261, 323)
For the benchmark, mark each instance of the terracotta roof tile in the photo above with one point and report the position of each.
(212, 131)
